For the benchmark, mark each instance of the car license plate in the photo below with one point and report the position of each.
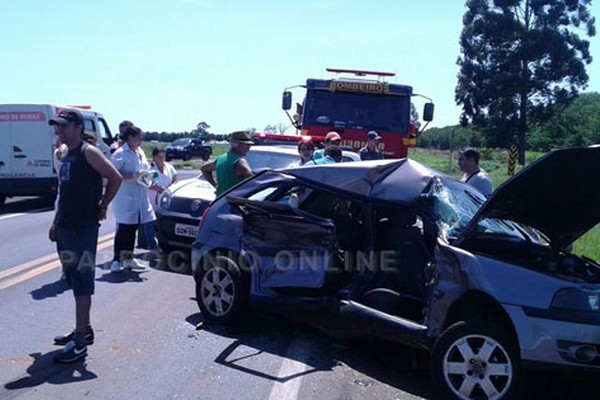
(186, 230)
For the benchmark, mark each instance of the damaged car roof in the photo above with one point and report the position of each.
(400, 180)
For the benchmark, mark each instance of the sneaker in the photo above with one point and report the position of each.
(116, 267)
(70, 353)
(133, 264)
(63, 340)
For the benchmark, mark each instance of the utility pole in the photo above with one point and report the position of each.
(451, 148)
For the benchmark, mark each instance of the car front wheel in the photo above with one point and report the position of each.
(475, 360)
(221, 290)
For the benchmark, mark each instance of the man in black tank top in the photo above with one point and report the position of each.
(81, 206)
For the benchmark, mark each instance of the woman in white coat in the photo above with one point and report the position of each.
(165, 175)
(131, 206)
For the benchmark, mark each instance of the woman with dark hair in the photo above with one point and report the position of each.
(167, 175)
(164, 175)
(306, 149)
(131, 206)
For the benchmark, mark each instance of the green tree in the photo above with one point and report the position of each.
(201, 131)
(576, 125)
(521, 59)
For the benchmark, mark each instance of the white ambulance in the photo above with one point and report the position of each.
(27, 144)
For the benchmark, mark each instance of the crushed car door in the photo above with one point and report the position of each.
(288, 247)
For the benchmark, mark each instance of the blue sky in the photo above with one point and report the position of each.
(169, 64)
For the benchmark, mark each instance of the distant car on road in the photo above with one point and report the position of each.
(180, 209)
(397, 251)
(187, 148)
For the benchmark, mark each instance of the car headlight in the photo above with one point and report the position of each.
(581, 299)
(165, 199)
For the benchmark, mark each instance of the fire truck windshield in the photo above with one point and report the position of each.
(357, 110)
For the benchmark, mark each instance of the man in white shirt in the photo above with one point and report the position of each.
(468, 162)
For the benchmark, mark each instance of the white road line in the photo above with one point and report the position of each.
(31, 269)
(293, 364)
(7, 216)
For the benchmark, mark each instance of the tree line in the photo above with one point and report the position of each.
(577, 124)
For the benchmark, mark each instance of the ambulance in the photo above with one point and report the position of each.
(27, 145)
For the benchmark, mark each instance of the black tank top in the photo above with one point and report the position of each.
(80, 190)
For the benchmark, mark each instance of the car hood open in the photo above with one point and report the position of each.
(558, 194)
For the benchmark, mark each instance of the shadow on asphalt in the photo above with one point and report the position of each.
(44, 370)
(380, 362)
(175, 261)
(394, 365)
(128, 275)
(50, 290)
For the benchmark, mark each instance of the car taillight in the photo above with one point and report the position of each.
(202, 218)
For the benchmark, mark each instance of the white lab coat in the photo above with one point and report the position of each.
(131, 204)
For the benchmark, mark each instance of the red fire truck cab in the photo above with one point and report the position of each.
(353, 106)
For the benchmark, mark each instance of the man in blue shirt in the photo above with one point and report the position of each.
(332, 139)
(332, 155)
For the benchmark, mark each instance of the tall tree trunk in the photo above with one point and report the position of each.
(522, 125)
(522, 130)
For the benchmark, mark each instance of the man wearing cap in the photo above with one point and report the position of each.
(81, 206)
(331, 139)
(231, 167)
(371, 151)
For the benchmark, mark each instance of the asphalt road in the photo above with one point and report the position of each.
(152, 342)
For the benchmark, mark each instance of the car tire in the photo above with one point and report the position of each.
(2, 199)
(475, 360)
(221, 290)
(186, 157)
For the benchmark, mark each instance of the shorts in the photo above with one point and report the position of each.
(77, 251)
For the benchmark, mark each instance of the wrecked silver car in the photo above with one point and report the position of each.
(395, 250)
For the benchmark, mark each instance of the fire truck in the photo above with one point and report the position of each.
(354, 105)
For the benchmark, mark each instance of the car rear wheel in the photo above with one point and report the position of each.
(221, 290)
(475, 360)
(2, 199)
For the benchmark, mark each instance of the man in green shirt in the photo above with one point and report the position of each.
(231, 167)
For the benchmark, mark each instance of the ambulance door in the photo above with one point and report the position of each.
(104, 139)
(5, 144)
(32, 142)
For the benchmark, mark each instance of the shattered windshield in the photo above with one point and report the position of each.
(455, 205)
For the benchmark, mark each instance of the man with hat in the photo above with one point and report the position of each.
(332, 139)
(231, 167)
(371, 151)
(81, 206)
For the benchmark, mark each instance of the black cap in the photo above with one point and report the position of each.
(372, 135)
(66, 116)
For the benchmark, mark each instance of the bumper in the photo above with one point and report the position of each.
(175, 153)
(28, 186)
(176, 232)
(556, 344)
